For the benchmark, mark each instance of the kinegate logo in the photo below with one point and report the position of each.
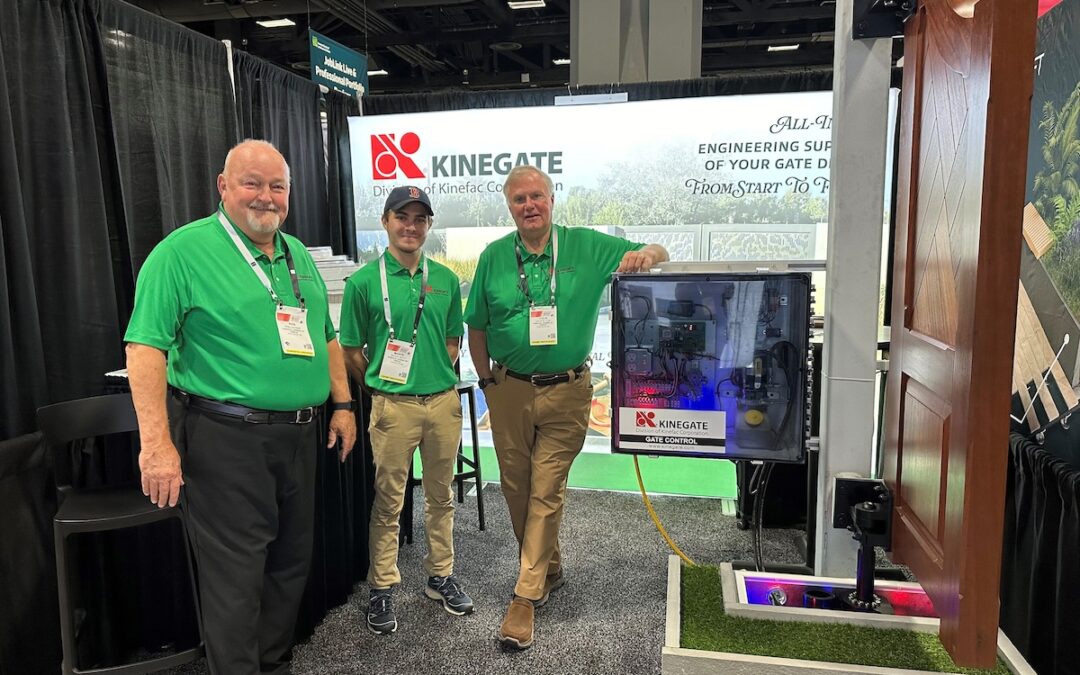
(645, 419)
(390, 155)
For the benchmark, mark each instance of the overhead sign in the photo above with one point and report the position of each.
(336, 66)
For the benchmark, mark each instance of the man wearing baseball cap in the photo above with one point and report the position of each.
(406, 310)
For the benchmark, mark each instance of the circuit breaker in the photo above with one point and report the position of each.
(711, 365)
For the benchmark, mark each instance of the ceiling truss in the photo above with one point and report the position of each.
(436, 44)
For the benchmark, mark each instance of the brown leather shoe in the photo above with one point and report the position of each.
(516, 631)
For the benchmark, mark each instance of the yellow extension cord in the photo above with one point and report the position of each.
(655, 518)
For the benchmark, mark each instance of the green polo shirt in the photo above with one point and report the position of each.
(197, 299)
(363, 322)
(497, 305)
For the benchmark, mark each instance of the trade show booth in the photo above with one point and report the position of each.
(116, 123)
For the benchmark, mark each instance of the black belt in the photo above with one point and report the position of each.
(422, 398)
(547, 379)
(242, 412)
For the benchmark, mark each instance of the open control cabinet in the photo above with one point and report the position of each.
(711, 365)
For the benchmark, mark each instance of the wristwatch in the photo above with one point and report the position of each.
(485, 381)
(344, 405)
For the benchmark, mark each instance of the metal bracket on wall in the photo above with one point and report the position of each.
(880, 18)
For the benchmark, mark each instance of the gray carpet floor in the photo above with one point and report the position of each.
(608, 618)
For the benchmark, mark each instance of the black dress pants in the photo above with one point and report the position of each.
(248, 501)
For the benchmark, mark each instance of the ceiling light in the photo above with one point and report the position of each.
(526, 4)
(276, 23)
(380, 71)
(561, 62)
(782, 48)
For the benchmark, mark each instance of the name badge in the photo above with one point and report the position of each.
(396, 362)
(293, 331)
(543, 326)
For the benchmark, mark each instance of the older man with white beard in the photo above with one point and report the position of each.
(231, 353)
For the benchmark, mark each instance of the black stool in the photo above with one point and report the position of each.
(465, 390)
(99, 510)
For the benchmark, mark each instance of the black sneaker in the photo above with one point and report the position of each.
(380, 615)
(448, 591)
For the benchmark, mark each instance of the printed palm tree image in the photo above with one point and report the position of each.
(1057, 194)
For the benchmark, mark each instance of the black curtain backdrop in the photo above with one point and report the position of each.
(339, 171)
(62, 327)
(1040, 571)
(113, 127)
(284, 109)
(170, 104)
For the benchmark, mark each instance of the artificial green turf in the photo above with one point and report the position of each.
(705, 626)
(606, 471)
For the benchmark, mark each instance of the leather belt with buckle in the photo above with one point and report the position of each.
(422, 398)
(548, 379)
(241, 412)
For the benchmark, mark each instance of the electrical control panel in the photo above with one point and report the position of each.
(711, 365)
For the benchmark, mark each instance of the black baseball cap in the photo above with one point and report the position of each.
(407, 194)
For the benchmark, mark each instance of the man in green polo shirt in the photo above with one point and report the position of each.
(231, 348)
(406, 309)
(532, 311)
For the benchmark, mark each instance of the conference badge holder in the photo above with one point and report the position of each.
(543, 326)
(543, 320)
(397, 361)
(293, 331)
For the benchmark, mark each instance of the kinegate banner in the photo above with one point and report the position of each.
(747, 159)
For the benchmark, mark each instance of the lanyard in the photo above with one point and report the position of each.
(259, 270)
(386, 298)
(524, 282)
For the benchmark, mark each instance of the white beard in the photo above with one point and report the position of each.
(257, 226)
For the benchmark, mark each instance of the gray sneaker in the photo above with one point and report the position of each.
(553, 582)
(448, 591)
(380, 615)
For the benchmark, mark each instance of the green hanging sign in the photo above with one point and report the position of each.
(336, 66)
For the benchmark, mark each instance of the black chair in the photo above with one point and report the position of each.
(467, 391)
(99, 510)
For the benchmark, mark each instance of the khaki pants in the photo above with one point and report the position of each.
(538, 431)
(398, 425)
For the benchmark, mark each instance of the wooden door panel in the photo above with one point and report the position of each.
(956, 262)
(929, 362)
(934, 303)
(925, 444)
